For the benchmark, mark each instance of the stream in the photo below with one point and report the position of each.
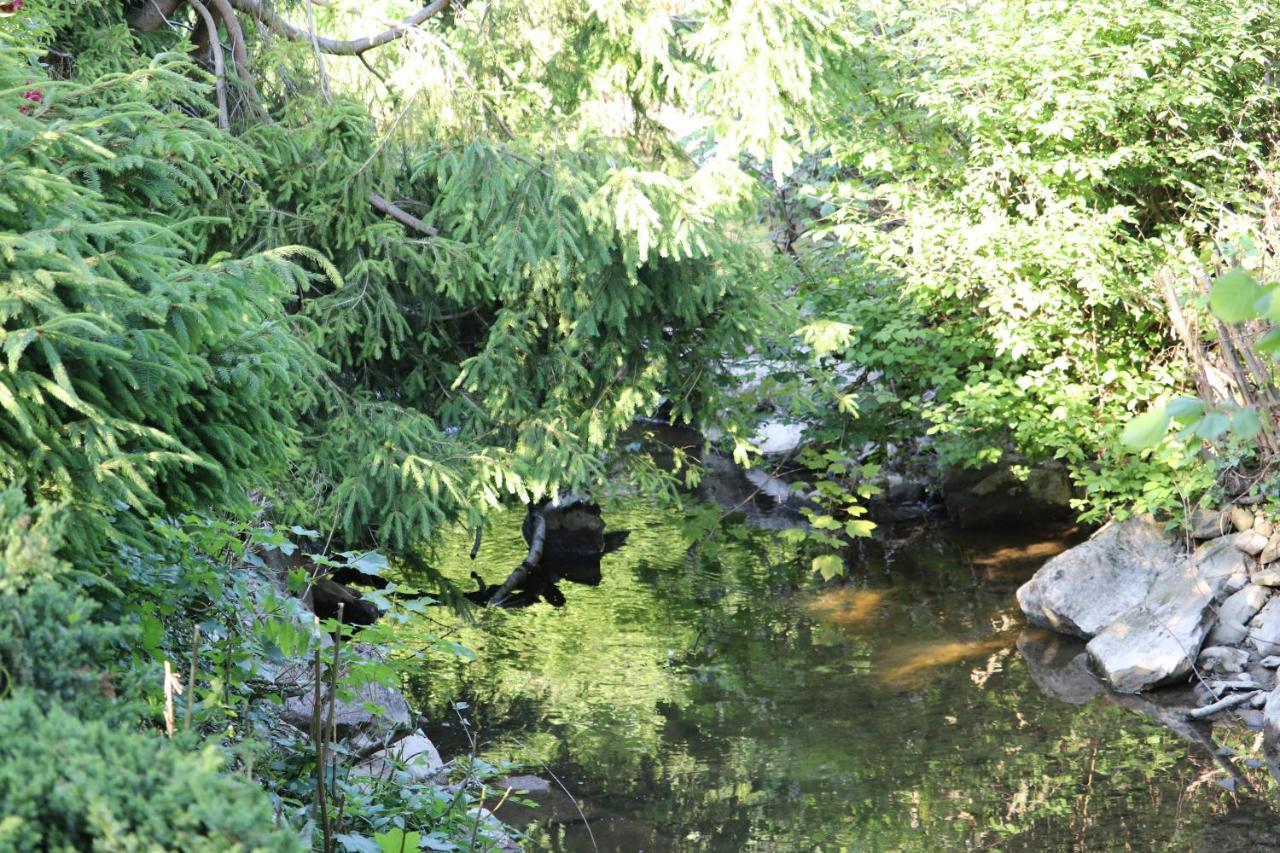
(712, 694)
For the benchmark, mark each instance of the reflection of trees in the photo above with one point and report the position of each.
(696, 695)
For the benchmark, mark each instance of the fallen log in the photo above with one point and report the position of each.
(536, 543)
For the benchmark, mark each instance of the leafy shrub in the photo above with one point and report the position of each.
(70, 785)
(51, 643)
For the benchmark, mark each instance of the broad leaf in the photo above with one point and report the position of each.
(1234, 296)
(1146, 430)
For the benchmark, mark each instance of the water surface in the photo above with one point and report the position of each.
(710, 694)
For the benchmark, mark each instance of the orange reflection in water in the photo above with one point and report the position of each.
(907, 663)
(848, 606)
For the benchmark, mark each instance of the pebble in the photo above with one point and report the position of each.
(1271, 661)
(1241, 518)
(1266, 577)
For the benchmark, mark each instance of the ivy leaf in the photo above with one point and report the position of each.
(1146, 430)
(1234, 296)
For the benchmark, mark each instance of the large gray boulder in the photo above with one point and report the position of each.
(1085, 589)
(372, 713)
(415, 756)
(1156, 641)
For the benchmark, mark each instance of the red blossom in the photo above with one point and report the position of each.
(35, 96)
(10, 7)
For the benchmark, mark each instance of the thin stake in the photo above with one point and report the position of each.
(191, 677)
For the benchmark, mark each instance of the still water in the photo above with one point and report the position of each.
(711, 694)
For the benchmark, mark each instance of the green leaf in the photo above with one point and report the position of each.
(829, 566)
(398, 841)
(1146, 430)
(859, 528)
(1184, 409)
(1212, 425)
(1234, 296)
(1270, 342)
(1245, 423)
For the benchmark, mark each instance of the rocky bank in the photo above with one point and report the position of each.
(1155, 609)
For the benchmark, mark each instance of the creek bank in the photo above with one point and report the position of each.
(1152, 611)
(377, 733)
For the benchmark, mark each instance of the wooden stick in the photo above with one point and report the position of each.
(402, 216)
(1222, 704)
(191, 677)
(536, 543)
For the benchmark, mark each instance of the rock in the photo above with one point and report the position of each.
(1241, 519)
(1156, 641)
(415, 755)
(1249, 541)
(1059, 666)
(1271, 661)
(1209, 524)
(901, 490)
(1252, 718)
(1083, 590)
(1223, 660)
(1264, 630)
(1271, 732)
(993, 495)
(355, 723)
(1272, 552)
(1235, 613)
(1268, 578)
(1235, 583)
(1263, 526)
(779, 438)
(492, 831)
(549, 803)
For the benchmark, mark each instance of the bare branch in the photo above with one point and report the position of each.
(536, 543)
(219, 69)
(400, 215)
(240, 52)
(352, 47)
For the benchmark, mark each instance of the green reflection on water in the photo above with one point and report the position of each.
(710, 696)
